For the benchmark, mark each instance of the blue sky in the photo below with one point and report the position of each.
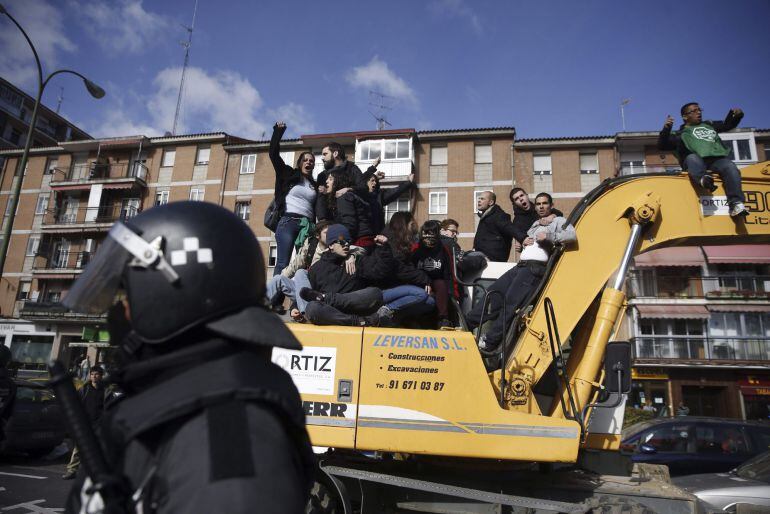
(549, 68)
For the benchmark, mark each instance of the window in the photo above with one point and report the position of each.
(203, 155)
(288, 158)
(438, 156)
(437, 203)
(669, 438)
(33, 243)
(53, 296)
(169, 156)
(742, 146)
(243, 210)
(394, 149)
(542, 164)
(42, 203)
(401, 204)
(272, 255)
(369, 150)
(24, 288)
(248, 163)
(50, 167)
(483, 154)
(589, 163)
(15, 137)
(161, 198)
(196, 194)
(720, 439)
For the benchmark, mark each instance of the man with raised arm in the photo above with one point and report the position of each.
(700, 150)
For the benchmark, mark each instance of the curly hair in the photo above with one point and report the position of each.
(402, 232)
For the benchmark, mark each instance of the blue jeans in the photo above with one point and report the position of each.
(731, 177)
(285, 234)
(289, 287)
(401, 297)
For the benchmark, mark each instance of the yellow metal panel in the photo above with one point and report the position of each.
(330, 354)
(426, 391)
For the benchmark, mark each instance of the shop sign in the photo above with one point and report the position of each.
(755, 386)
(648, 374)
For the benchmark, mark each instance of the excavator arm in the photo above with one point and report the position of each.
(621, 218)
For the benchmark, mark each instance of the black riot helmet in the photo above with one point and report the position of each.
(183, 265)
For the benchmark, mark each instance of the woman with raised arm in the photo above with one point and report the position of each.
(295, 196)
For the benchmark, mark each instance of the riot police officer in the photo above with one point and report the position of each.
(208, 422)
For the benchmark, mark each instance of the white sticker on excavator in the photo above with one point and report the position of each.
(312, 369)
(714, 206)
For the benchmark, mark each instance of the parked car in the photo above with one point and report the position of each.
(690, 444)
(36, 425)
(748, 484)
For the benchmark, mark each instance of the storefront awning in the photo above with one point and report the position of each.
(675, 256)
(118, 185)
(91, 344)
(673, 311)
(747, 254)
(739, 307)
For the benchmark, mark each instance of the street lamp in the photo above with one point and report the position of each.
(93, 89)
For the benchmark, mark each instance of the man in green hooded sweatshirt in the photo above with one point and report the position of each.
(699, 149)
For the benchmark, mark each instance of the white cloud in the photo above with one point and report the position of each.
(43, 23)
(212, 102)
(123, 25)
(457, 9)
(376, 75)
(296, 117)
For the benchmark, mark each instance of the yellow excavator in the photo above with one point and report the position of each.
(421, 421)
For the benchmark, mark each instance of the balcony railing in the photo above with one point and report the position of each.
(39, 310)
(93, 171)
(62, 260)
(721, 287)
(702, 348)
(637, 170)
(89, 215)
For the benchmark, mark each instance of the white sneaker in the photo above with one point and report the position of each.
(483, 342)
(738, 209)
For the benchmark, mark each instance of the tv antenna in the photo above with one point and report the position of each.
(186, 44)
(60, 99)
(380, 102)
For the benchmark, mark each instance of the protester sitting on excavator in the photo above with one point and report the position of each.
(517, 283)
(524, 215)
(699, 149)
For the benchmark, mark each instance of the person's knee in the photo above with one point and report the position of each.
(313, 312)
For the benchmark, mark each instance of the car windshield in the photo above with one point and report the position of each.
(757, 468)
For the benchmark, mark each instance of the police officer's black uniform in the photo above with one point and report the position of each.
(208, 423)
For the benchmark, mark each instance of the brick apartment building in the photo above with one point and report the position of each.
(73, 192)
(16, 108)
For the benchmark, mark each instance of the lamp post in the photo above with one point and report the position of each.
(93, 89)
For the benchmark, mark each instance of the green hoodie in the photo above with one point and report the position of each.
(703, 141)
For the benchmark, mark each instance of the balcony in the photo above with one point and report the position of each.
(61, 261)
(112, 175)
(87, 218)
(53, 311)
(702, 348)
(721, 287)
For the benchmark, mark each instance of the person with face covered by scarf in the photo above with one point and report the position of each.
(432, 257)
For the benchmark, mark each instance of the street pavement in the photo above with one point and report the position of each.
(34, 485)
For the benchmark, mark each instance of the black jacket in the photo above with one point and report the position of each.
(328, 274)
(353, 172)
(93, 400)
(494, 234)
(381, 197)
(354, 212)
(523, 220)
(668, 140)
(224, 434)
(286, 177)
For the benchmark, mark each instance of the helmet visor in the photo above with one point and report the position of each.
(94, 291)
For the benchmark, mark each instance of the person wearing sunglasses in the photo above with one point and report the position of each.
(700, 150)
